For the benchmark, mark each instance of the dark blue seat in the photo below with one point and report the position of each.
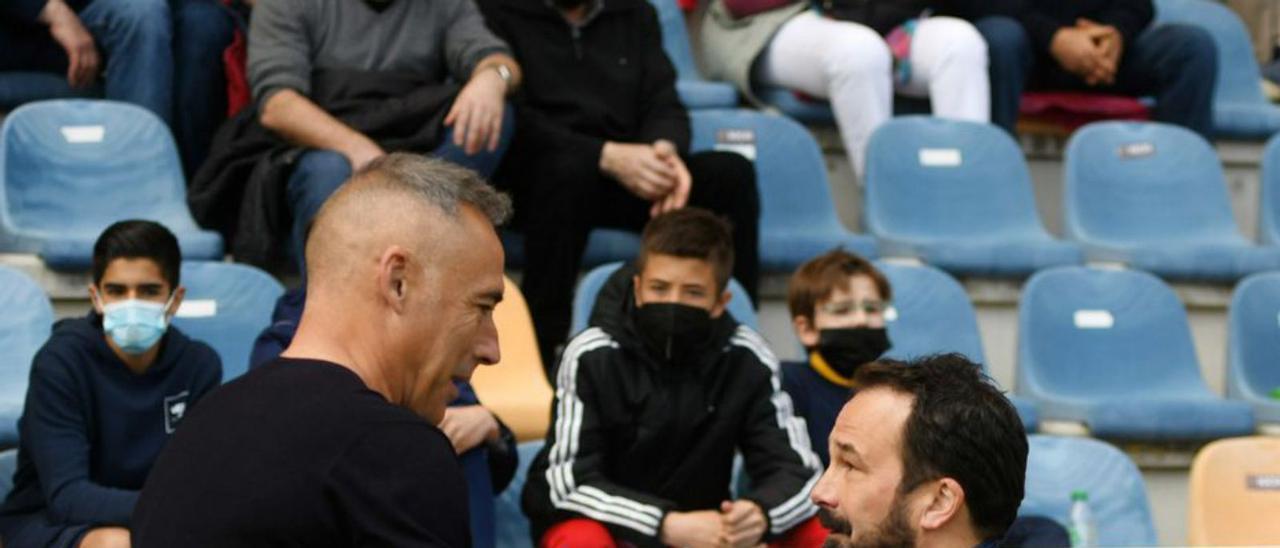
(24, 328)
(1056, 466)
(1153, 196)
(512, 527)
(70, 168)
(695, 91)
(1112, 349)
(1253, 345)
(957, 195)
(584, 299)
(227, 305)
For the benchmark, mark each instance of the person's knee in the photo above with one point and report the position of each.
(138, 18)
(106, 537)
(1192, 48)
(203, 27)
(958, 40)
(579, 533)
(857, 53)
(1005, 38)
(317, 175)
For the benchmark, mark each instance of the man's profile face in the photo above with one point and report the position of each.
(457, 329)
(859, 492)
(681, 280)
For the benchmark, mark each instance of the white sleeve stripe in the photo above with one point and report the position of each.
(600, 516)
(794, 510)
(598, 494)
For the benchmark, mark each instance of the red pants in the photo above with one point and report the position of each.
(586, 533)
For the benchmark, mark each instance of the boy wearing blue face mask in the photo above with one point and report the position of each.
(653, 400)
(837, 302)
(106, 392)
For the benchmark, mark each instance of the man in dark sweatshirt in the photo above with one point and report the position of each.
(106, 392)
(653, 400)
(1108, 46)
(602, 141)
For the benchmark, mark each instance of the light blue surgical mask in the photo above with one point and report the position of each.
(135, 325)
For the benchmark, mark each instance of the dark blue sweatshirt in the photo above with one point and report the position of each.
(817, 400)
(91, 428)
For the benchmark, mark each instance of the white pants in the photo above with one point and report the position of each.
(850, 65)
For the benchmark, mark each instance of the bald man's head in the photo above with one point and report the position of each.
(404, 268)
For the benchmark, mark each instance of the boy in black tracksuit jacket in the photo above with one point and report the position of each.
(639, 437)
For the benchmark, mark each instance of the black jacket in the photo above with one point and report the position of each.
(608, 80)
(1043, 18)
(632, 438)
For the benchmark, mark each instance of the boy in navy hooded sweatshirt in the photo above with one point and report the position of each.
(106, 392)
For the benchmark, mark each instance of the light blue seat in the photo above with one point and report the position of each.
(1240, 110)
(584, 299)
(1056, 466)
(512, 527)
(1154, 196)
(797, 217)
(70, 168)
(24, 327)
(604, 245)
(932, 314)
(20, 87)
(1253, 345)
(227, 305)
(814, 112)
(1112, 349)
(957, 195)
(1269, 214)
(695, 91)
(8, 465)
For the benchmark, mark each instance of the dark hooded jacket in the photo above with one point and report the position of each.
(91, 428)
(633, 438)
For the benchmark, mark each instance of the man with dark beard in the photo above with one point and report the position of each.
(927, 453)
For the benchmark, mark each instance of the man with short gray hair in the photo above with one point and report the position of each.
(335, 443)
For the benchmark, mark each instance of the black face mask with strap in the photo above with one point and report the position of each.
(673, 332)
(847, 349)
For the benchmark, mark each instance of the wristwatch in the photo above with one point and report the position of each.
(503, 72)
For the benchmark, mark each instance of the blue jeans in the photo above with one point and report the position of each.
(1177, 64)
(318, 174)
(162, 55)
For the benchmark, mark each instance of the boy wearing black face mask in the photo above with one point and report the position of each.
(837, 302)
(653, 400)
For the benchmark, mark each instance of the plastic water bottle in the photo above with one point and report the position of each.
(1083, 529)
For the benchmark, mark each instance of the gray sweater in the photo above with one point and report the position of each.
(288, 39)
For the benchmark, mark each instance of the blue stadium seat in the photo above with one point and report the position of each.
(584, 299)
(932, 314)
(1253, 347)
(8, 465)
(604, 245)
(1239, 109)
(227, 305)
(512, 529)
(957, 195)
(1112, 349)
(24, 328)
(808, 111)
(1154, 196)
(1056, 466)
(20, 87)
(70, 168)
(797, 219)
(1269, 214)
(695, 91)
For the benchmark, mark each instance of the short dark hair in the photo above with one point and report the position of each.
(960, 427)
(817, 278)
(135, 239)
(690, 233)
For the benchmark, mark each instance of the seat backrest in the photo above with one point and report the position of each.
(584, 299)
(512, 527)
(675, 38)
(1098, 334)
(1056, 466)
(72, 167)
(931, 314)
(1235, 493)
(8, 465)
(1253, 345)
(516, 387)
(929, 178)
(24, 328)
(227, 305)
(1144, 182)
(1238, 73)
(790, 171)
(1269, 214)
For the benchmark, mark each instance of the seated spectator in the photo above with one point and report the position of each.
(854, 54)
(926, 453)
(346, 82)
(163, 55)
(486, 447)
(106, 392)
(652, 402)
(1107, 46)
(603, 141)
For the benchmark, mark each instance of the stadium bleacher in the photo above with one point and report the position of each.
(227, 305)
(23, 329)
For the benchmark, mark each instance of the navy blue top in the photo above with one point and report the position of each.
(817, 400)
(91, 428)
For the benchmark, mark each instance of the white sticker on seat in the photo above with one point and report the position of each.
(741, 141)
(84, 134)
(891, 314)
(1094, 319)
(1137, 150)
(198, 308)
(941, 157)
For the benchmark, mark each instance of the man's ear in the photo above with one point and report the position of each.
(805, 331)
(393, 282)
(95, 298)
(946, 502)
(635, 289)
(721, 304)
